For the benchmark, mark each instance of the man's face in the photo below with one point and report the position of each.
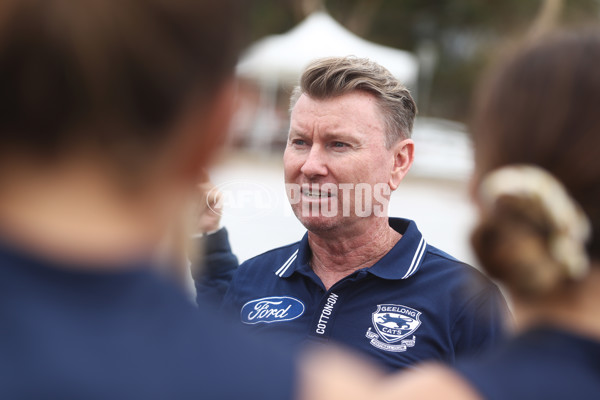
(337, 168)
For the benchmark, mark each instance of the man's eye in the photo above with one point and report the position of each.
(339, 144)
(298, 142)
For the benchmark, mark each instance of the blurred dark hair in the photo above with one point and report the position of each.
(110, 75)
(540, 106)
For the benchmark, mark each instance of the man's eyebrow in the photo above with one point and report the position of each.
(298, 133)
(342, 136)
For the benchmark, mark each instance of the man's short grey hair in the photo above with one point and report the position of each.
(330, 77)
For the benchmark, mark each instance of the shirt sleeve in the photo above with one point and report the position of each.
(483, 322)
(217, 267)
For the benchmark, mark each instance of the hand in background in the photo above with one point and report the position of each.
(210, 207)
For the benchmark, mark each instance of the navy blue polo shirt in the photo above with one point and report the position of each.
(416, 303)
(542, 363)
(123, 332)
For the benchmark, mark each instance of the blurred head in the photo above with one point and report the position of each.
(539, 107)
(111, 79)
(332, 77)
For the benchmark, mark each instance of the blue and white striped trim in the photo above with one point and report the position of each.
(286, 264)
(416, 261)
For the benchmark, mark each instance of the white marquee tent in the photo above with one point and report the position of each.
(283, 57)
(278, 60)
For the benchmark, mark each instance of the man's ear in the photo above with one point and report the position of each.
(403, 152)
(204, 130)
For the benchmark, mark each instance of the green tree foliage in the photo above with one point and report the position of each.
(462, 33)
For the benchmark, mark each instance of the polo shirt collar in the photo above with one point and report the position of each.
(406, 257)
(401, 262)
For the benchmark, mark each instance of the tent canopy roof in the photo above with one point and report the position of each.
(284, 57)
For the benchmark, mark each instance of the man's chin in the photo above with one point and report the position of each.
(319, 223)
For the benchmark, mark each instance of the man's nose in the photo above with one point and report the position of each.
(315, 164)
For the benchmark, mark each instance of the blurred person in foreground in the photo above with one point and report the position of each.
(357, 277)
(109, 110)
(537, 134)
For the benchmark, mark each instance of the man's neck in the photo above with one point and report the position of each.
(337, 256)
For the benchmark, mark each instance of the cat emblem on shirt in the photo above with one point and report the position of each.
(392, 324)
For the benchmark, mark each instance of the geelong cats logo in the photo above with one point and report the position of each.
(392, 324)
(271, 309)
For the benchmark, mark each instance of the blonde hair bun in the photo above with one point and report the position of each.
(531, 234)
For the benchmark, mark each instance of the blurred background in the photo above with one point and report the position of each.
(438, 48)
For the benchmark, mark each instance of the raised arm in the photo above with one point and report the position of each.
(214, 264)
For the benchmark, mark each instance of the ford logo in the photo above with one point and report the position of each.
(271, 309)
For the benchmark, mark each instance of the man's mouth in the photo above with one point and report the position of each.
(316, 194)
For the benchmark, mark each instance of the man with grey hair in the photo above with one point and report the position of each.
(358, 277)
